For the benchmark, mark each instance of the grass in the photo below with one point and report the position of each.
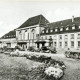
(18, 68)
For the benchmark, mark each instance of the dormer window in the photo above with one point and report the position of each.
(73, 27)
(61, 29)
(43, 31)
(46, 31)
(67, 28)
(79, 27)
(51, 30)
(55, 30)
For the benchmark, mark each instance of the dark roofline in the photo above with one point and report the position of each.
(31, 22)
(10, 34)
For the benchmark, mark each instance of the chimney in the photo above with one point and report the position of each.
(72, 18)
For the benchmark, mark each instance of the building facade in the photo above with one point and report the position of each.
(38, 32)
(28, 34)
(64, 34)
(8, 40)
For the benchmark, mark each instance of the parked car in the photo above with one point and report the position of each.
(33, 49)
(52, 49)
(47, 49)
(44, 49)
(9, 50)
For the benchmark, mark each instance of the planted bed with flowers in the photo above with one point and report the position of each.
(50, 69)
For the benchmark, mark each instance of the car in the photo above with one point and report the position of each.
(47, 49)
(33, 49)
(52, 49)
(8, 50)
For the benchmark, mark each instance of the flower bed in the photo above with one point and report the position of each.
(52, 69)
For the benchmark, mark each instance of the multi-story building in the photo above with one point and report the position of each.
(63, 34)
(28, 34)
(8, 40)
(37, 31)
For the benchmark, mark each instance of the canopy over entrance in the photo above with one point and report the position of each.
(40, 42)
(22, 42)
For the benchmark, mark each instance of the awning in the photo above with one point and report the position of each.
(0, 41)
(22, 42)
(40, 42)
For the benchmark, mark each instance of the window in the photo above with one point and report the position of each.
(60, 43)
(37, 36)
(46, 31)
(72, 43)
(45, 37)
(60, 36)
(66, 43)
(67, 28)
(78, 43)
(33, 35)
(66, 36)
(54, 43)
(41, 37)
(55, 30)
(51, 30)
(28, 36)
(61, 29)
(72, 36)
(43, 31)
(50, 36)
(78, 36)
(79, 27)
(8, 45)
(73, 27)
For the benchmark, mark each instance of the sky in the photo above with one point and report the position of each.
(13, 13)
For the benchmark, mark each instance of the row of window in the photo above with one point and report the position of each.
(60, 36)
(61, 29)
(66, 44)
(9, 36)
(32, 30)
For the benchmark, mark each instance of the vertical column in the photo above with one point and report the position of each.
(75, 41)
(23, 33)
(57, 41)
(69, 41)
(63, 40)
(29, 36)
(17, 35)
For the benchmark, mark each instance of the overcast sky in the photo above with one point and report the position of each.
(14, 13)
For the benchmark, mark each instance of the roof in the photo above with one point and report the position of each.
(39, 19)
(62, 24)
(11, 34)
(65, 23)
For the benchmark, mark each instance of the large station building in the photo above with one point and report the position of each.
(38, 31)
(29, 33)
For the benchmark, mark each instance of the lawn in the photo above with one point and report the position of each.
(17, 68)
(11, 67)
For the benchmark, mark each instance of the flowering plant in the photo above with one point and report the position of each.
(55, 72)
